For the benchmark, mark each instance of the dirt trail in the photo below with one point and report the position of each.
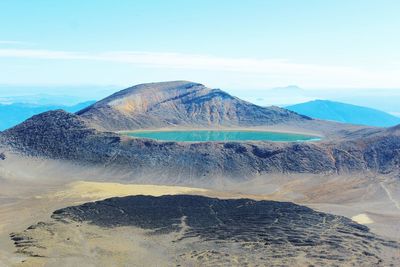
(389, 195)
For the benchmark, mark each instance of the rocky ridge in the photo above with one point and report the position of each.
(61, 135)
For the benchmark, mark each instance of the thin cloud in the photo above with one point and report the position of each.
(9, 42)
(41, 54)
(322, 74)
(181, 61)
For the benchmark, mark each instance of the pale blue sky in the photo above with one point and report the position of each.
(228, 44)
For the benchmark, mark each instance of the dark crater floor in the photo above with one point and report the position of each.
(281, 229)
(255, 233)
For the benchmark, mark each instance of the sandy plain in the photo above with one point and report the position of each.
(31, 189)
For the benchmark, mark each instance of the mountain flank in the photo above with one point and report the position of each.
(346, 113)
(180, 103)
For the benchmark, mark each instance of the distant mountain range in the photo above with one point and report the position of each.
(15, 113)
(67, 95)
(347, 113)
(381, 99)
(43, 100)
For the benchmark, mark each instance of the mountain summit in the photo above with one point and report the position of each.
(180, 103)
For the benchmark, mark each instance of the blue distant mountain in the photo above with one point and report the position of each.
(13, 114)
(347, 113)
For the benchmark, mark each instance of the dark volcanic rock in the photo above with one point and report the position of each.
(279, 231)
(61, 135)
(180, 103)
(165, 212)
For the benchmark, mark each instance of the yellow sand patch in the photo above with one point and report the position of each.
(130, 105)
(126, 107)
(99, 190)
(362, 219)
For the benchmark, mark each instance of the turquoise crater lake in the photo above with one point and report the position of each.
(221, 135)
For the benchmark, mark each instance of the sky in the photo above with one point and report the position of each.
(241, 45)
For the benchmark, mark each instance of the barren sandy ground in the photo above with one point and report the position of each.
(30, 190)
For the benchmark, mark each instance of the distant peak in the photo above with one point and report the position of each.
(323, 101)
(293, 87)
(288, 88)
